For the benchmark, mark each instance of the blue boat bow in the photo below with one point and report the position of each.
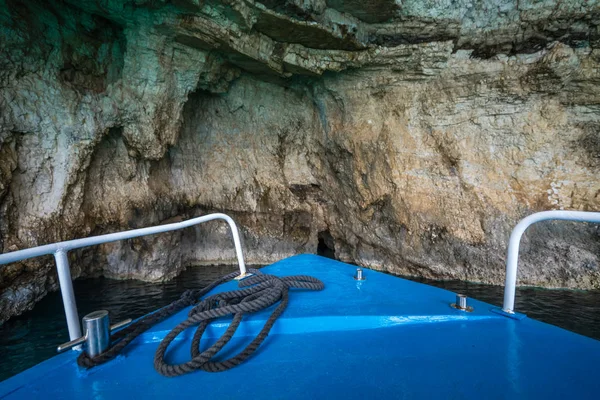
(383, 337)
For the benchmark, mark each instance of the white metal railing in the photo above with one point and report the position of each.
(62, 262)
(515, 239)
(61, 249)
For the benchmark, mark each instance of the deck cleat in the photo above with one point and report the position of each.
(96, 336)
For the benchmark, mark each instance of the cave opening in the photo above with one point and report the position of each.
(326, 245)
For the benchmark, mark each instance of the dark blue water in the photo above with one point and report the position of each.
(32, 337)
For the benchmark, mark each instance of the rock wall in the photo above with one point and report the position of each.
(408, 137)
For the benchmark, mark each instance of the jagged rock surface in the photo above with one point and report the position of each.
(408, 137)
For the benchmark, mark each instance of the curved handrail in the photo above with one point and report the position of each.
(515, 239)
(60, 250)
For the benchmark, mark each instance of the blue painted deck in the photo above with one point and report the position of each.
(384, 337)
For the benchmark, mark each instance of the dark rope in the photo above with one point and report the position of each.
(123, 337)
(257, 292)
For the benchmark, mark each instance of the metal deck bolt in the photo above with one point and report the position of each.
(359, 275)
(461, 303)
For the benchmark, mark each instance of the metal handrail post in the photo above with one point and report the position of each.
(515, 239)
(60, 249)
(66, 289)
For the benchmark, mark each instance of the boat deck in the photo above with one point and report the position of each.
(383, 337)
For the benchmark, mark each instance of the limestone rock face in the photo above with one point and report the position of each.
(405, 136)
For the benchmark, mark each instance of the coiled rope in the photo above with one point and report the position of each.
(257, 292)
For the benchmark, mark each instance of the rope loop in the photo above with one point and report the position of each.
(257, 292)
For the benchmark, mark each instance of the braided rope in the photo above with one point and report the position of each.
(256, 293)
(123, 337)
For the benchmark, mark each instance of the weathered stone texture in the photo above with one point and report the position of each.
(407, 136)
